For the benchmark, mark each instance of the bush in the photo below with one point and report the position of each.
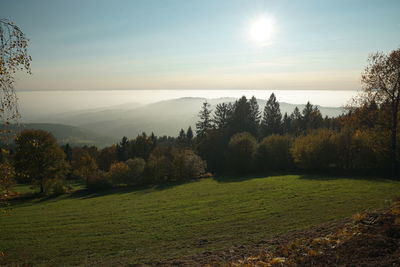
(7, 175)
(98, 180)
(173, 164)
(136, 170)
(187, 165)
(315, 151)
(55, 187)
(241, 150)
(83, 164)
(273, 153)
(368, 150)
(119, 173)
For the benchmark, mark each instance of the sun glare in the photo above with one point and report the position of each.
(261, 30)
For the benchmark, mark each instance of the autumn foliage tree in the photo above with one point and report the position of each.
(381, 84)
(38, 159)
(13, 57)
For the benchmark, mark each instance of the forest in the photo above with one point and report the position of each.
(234, 139)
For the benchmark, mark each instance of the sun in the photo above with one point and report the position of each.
(261, 30)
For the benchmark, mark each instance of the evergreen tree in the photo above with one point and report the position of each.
(68, 153)
(296, 121)
(286, 124)
(122, 149)
(181, 140)
(271, 123)
(141, 147)
(153, 141)
(205, 123)
(223, 113)
(189, 134)
(312, 118)
(255, 114)
(243, 117)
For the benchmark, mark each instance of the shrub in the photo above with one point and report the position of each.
(315, 151)
(136, 170)
(273, 153)
(83, 164)
(187, 165)
(7, 175)
(119, 173)
(241, 150)
(98, 180)
(173, 164)
(56, 187)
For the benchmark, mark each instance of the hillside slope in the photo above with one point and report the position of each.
(163, 118)
(73, 135)
(128, 226)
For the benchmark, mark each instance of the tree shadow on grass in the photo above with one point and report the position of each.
(240, 178)
(308, 176)
(329, 177)
(144, 189)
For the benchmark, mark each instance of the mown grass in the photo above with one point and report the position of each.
(145, 225)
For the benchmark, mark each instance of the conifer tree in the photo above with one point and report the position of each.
(122, 149)
(296, 121)
(286, 124)
(205, 123)
(271, 123)
(189, 136)
(181, 140)
(222, 115)
(255, 114)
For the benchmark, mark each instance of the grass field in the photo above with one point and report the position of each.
(145, 225)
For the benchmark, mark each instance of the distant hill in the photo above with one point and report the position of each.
(163, 118)
(75, 136)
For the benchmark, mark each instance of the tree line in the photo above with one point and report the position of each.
(233, 138)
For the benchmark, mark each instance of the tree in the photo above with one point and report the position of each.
(244, 118)
(241, 150)
(39, 159)
(273, 153)
(7, 180)
(286, 124)
(141, 146)
(68, 152)
(271, 123)
(83, 164)
(136, 166)
(13, 57)
(181, 140)
(255, 114)
(222, 115)
(296, 121)
(315, 151)
(107, 156)
(189, 136)
(122, 149)
(312, 118)
(381, 83)
(205, 123)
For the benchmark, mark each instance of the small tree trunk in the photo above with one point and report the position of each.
(393, 150)
(41, 188)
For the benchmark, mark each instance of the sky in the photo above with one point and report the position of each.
(208, 44)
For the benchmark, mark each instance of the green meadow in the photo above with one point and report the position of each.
(127, 226)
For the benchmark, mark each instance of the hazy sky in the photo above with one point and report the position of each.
(185, 44)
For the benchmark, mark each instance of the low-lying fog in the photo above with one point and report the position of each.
(39, 103)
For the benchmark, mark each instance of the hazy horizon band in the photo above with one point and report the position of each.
(73, 100)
